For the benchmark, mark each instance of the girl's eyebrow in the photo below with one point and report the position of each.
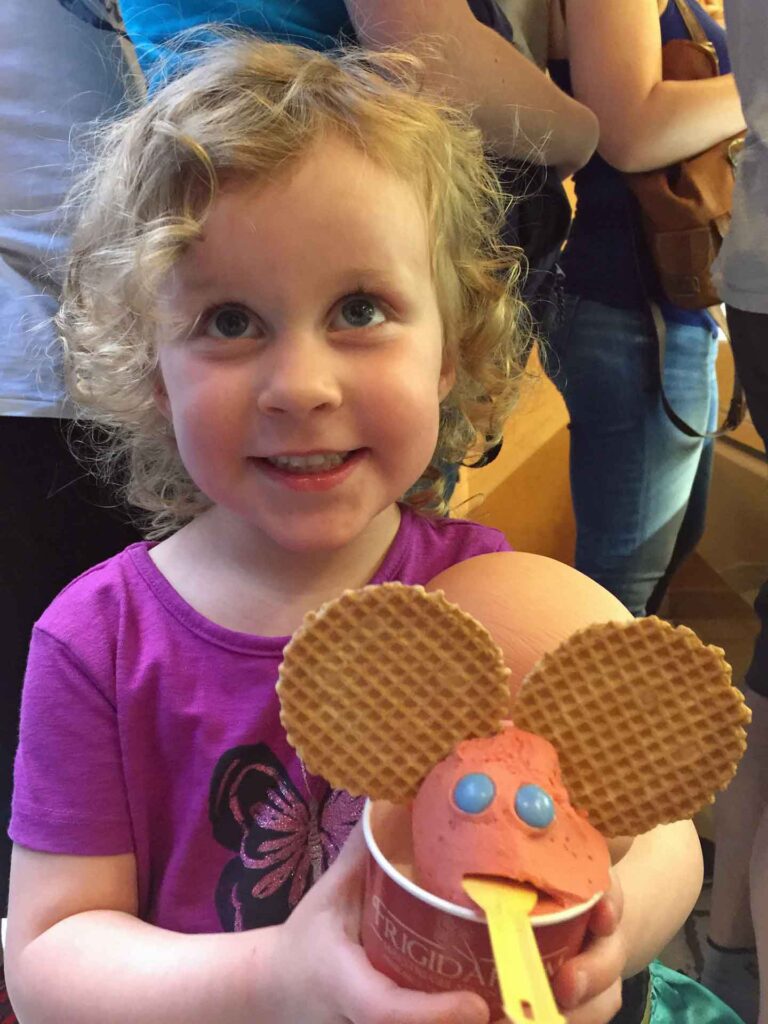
(375, 274)
(194, 280)
(352, 279)
(391, 278)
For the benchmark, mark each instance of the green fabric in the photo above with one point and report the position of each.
(677, 999)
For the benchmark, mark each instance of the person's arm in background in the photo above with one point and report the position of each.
(614, 51)
(521, 112)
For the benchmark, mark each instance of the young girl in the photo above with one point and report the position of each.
(286, 299)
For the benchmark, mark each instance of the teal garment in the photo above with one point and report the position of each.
(151, 24)
(677, 999)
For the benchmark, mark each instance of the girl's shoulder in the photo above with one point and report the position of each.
(96, 594)
(425, 545)
(466, 532)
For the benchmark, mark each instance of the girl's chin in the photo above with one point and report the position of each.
(329, 533)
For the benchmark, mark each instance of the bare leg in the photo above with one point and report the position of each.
(759, 903)
(737, 816)
(741, 827)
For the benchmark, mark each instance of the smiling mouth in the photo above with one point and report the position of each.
(318, 462)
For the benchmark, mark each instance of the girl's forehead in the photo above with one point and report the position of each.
(328, 159)
(331, 189)
(333, 212)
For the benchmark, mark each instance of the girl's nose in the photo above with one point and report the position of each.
(300, 377)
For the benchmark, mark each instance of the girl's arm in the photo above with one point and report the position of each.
(615, 56)
(520, 111)
(77, 954)
(661, 875)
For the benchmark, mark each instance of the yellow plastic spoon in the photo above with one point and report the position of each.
(525, 990)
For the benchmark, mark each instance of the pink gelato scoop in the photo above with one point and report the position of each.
(498, 807)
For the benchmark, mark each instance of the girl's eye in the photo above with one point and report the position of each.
(357, 311)
(230, 322)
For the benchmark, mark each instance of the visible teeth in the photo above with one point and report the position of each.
(313, 463)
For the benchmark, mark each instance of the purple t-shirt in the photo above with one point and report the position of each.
(148, 729)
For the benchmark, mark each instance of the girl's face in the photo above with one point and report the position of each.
(304, 386)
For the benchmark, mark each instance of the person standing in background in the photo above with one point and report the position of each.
(639, 484)
(714, 9)
(521, 112)
(60, 66)
(741, 815)
(530, 23)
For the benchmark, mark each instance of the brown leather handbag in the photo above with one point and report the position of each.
(686, 207)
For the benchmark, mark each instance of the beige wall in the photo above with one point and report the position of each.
(525, 492)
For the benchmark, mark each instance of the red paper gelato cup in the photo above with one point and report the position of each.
(426, 943)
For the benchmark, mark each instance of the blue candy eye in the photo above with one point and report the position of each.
(534, 806)
(474, 792)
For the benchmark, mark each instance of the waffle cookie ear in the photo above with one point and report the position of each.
(380, 684)
(644, 717)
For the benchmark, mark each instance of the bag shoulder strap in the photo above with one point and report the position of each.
(737, 407)
(693, 25)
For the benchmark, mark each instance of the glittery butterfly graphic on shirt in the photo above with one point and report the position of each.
(283, 841)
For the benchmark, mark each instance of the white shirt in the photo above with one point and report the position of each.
(742, 267)
(56, 73)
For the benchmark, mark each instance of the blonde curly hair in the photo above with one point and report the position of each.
(243, 110)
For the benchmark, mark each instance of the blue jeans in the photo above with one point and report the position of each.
(639, 485)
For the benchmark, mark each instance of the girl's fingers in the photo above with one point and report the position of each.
(590, 973)
(359, 992)
(400, 1006)
(367, 997)
(599, 1010)
(362, 994)
(351, 861)
(606, 914)
(593, 978)
(341, 887)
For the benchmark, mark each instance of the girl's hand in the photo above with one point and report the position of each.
(588, 987)
(322, 975)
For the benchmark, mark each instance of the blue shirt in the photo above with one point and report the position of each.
(319, 24)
